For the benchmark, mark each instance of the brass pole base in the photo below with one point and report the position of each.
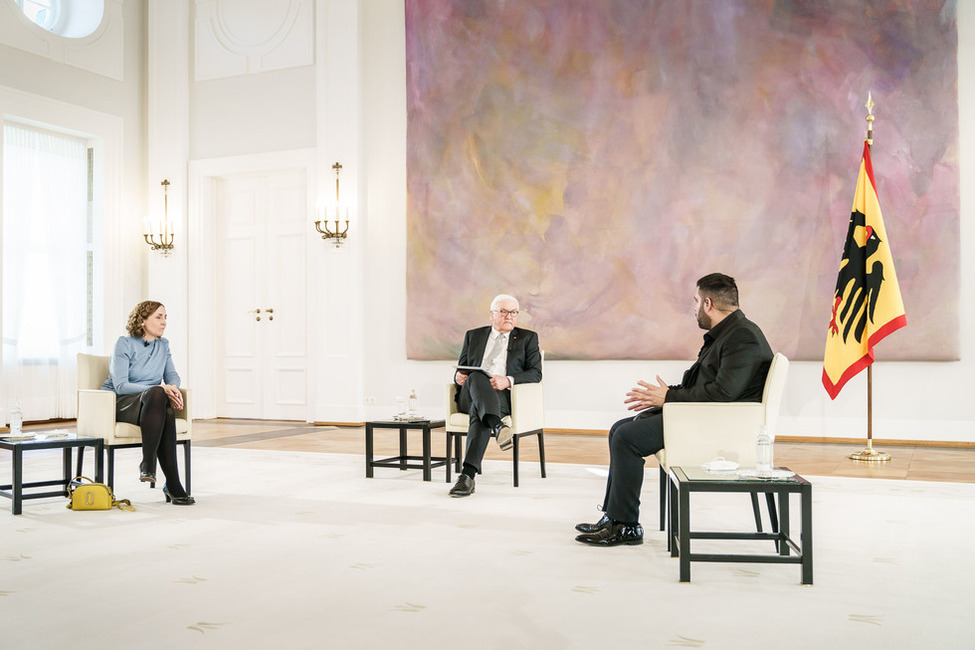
(870, 454)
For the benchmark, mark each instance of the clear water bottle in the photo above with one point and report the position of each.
(16, 420)
(763, 452)
(413, 404)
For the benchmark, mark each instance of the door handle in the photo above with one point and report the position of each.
(270, 310)
(255, 311)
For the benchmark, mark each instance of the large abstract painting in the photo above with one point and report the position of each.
(595, 157)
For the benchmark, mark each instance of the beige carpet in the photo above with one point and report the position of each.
(299, 550)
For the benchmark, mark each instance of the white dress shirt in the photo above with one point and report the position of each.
(500, 365)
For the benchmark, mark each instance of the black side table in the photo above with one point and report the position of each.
(402, 461)
(15, 490)
(686, 480)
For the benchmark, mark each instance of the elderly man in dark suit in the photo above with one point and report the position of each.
(731, 367)
(508, 355)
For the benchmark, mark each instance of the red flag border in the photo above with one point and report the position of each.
(865, 360)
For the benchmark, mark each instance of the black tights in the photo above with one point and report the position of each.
(158, 422)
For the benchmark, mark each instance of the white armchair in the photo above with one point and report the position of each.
(697, 432)
(527, 419)
(96, 416)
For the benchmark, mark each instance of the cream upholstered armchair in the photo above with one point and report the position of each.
(527, 419)
(697, 432)
(96, 416)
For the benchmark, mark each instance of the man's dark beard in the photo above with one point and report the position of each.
(703, 320)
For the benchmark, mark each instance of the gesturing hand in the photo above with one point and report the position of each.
(644, 395)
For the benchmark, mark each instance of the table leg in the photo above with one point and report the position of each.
(784, 520)
(66, 469)
(806, 542)
(80, 469)
(17, 488)
(683, 521)
(427, 473)
(402, 449)
(369, 469)
(100, 462)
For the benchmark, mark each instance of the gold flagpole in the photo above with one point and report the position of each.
(870, 454)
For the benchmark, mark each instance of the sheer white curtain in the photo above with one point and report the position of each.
(45, 284)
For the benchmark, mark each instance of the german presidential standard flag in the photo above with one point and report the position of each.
(867, 303)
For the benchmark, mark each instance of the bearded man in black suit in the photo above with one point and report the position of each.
(731, 367)
(508, 355)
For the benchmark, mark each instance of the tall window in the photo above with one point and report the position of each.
(46, 267)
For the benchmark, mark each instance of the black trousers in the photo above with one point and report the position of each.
(630, 442)
(478, 398)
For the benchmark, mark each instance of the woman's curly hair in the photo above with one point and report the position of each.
(142, 311)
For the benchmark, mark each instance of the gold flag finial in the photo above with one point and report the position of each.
(870, 118)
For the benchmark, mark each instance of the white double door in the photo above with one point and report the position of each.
(262, 229)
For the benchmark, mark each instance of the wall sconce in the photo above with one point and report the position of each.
(321, 225)
(165, 230)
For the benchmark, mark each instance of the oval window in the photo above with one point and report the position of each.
(75, 19)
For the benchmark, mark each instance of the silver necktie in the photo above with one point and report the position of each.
(495, 351)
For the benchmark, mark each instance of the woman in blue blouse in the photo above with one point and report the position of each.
(146, 386)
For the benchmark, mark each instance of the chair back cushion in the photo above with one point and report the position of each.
(774, 390)
(92, 371)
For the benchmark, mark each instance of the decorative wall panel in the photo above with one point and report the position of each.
(596, 158)
(237, 37)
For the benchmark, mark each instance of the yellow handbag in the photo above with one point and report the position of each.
(94, 496)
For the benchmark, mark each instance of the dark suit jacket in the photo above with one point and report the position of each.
(731, 367)
(524, 364)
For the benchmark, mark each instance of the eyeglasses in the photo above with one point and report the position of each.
(505, 312)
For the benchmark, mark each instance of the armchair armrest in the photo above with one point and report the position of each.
(697, 432)
(450, 401)
(185, 412)
(96, 413)
(527, 407)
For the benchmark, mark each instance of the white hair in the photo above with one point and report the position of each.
(503, 297)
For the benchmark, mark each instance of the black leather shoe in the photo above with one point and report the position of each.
(145, 474)
(614, 535)
(464, 487)
(596, 527)
(185, 500)
(504, 435)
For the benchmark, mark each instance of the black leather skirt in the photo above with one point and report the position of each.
(128, 408)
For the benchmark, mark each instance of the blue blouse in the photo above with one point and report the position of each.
(137, 365)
